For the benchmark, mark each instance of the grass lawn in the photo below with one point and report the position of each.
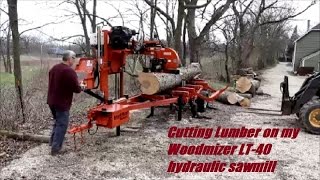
(27, 73)
(6, 78)
(219, 85)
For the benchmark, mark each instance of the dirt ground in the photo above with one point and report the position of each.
(141, 151)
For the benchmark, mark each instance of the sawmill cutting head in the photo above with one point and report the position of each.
(120, 37)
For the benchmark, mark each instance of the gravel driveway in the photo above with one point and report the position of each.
(141, 152)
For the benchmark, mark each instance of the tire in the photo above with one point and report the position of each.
(308, 116)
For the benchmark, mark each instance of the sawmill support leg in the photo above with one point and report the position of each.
(180, 108)
(151, 112)
(118, 130)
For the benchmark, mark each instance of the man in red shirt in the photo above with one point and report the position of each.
(63, 82)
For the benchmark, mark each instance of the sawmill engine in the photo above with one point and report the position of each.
(120, 37)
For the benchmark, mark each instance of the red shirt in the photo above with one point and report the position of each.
(63, 82)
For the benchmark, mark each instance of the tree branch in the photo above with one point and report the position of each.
(288, 17)
(215, 17)
(4, 11)
(161, 12)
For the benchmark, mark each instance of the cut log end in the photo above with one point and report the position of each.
(243, 84)
(245, 102)
(149, 83)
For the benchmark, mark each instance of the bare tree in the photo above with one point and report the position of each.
(152, 18)
(229, 41)
(84, 15)
(250, 16)
(194, 39)
(6, 30)
(13, 19)
(175, 28)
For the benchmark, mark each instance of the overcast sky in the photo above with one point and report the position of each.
(39, 12)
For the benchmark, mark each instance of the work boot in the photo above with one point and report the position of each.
(54, 152)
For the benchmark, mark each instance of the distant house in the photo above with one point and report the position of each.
(307, 50)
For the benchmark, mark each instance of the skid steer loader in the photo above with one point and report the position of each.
(305, 103)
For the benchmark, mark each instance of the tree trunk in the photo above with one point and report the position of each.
(94, 17)
(152, 83)
(167, 26)
(84, 23)
(8, 68)
(184, 56)
(13, 18)
(24, 136)
(226, 62)
(2, 56)
(152, 17)
(194, 43)
(178, 30)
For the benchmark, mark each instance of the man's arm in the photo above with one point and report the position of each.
(74, 83)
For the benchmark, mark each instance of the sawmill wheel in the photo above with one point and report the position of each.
(310, 116)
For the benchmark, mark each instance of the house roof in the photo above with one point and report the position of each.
(314, 29)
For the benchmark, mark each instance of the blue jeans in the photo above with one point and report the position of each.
(61, 121)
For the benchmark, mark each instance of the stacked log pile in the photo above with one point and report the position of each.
(247, 84)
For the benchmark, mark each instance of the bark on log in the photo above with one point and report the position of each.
(152, 83)
(190, 71)
(233, 98)
(228, 97)
(246, 95)
(24, 136)
(255, 84)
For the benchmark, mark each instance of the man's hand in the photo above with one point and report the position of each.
(82, 86)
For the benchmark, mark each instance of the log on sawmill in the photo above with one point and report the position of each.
(24, 136)
(244, 84)
(154, 82)
(233, 98)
